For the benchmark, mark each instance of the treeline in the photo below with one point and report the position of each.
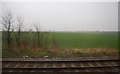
(14, 37)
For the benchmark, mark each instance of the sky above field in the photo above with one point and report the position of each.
(67, 16)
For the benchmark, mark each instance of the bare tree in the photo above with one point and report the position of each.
(42, 38)
(38, 35)
(20, 22)
(7, 24)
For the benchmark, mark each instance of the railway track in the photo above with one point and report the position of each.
(61, 65)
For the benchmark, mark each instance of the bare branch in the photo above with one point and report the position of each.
(7, 23)
(37, 26)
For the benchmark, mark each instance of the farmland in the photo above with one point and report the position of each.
(66, 44)
(87, 39)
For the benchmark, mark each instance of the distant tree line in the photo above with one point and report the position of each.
(14, 37)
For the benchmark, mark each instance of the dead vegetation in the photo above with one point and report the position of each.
(75, 52)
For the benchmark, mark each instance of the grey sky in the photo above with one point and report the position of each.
(67, 16)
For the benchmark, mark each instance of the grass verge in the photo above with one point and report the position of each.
(63, 53)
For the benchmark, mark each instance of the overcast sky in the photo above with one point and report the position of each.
(67, 16)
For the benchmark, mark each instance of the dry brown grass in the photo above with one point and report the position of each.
(86, 52)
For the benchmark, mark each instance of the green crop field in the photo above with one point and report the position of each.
(87, 39)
